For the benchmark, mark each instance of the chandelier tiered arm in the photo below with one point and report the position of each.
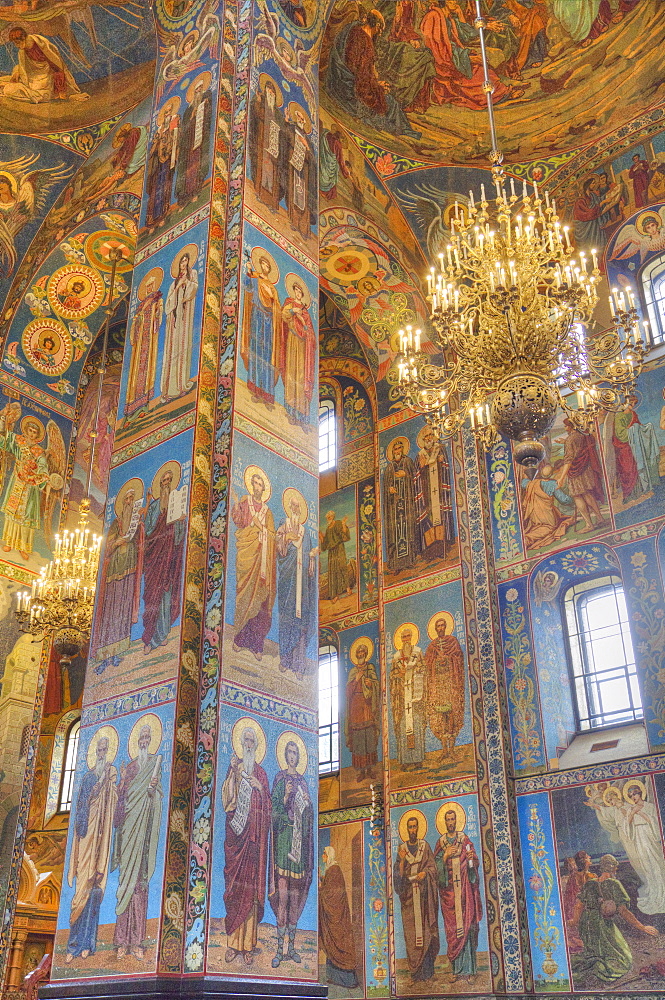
(510, 301)
(60, 606)
(61, 602)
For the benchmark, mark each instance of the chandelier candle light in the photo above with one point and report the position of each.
(61, 603)
(509, 303)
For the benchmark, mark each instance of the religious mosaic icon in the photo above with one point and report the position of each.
(75, 291)
(47, 345)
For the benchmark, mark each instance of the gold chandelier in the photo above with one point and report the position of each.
(509, 302)
(61, 604)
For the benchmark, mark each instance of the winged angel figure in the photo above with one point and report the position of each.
(645, 236)
(57, 19)
(432, 207)
(36, 480)
(23, 197)
(294, 61)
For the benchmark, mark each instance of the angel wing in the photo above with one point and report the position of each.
(35, 186)
(631, 243)
(56, 459)
(427, 203)
(7, 248)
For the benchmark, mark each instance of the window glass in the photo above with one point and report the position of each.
(327, 435)
(602, 658)
(653, 286)
(69, 767)
(328, 709)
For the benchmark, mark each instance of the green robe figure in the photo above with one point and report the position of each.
(21, 503)
(137, 821)
(332, 542)
(606, 953)
(291, 850)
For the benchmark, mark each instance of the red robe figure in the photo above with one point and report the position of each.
(459, 892)
(459, 73)
(640, 176)
(246, 802)
(162, 566)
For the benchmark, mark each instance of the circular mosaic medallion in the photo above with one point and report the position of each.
(75, 291)
(47, 346)
(99, 245)
(347, 266)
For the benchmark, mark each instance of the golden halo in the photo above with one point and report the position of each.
(611, 792)
(397, 637)
(405, 442)
(168, 109)
(404, 819)
(36, 422)
(155, 272)
(135, 484)
(171, 466)
(449, 212)
(193, 252)
(447, 617)
(195, 34)
(11, 180)
(32, 342)
(291, 109)
(205, 78)
(256, 255)
(591, 790)
(253, 470)
(286, 51)
(280, 751)
(112, 734)
(60, 285)
(264, 79)
(155, 725)
(645, 217)
(634, 783)
(362, 640)
(236, 737)
(294, 279)
(460, 815)
(290, 495)
(422, 432)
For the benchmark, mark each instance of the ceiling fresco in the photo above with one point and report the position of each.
(557, 68)
(100, 59)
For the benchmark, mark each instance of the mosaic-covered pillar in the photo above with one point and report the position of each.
(190, 858)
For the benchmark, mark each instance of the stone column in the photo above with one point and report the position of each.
(190, 860)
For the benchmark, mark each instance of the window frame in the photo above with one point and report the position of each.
(590, 585)
(330, 406)
(333, 765)
(650, 301)
(71, 771)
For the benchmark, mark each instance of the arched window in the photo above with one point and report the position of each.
(653, 286)
(328, 709)
(69, 767)
(602, 661)
(327, 435)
